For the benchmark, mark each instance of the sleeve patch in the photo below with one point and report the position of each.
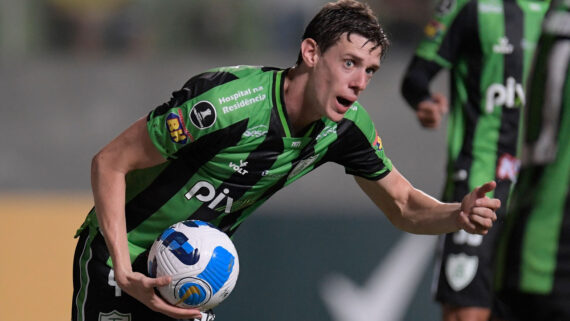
(177, 129)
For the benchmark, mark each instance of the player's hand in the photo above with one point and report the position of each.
(430, 112)
(478, 211)
(142, 287)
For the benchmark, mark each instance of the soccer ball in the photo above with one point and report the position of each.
(201, 260)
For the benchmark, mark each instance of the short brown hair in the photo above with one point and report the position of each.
(344, 16)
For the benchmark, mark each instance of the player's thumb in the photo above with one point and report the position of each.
(486, 188)
(161, 280)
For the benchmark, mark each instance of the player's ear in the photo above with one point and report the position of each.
(310, 51)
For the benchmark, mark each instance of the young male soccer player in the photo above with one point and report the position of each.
(488, 46)
(533, 259)
(231, 138)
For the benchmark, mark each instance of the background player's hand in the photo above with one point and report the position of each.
(478, 211)
(430, 112)
(141, 287)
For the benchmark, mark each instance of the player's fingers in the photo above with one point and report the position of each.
(484, 212)
(159, 281)
(158, 304)
(490, 203)
(486, 188)
(481, 221)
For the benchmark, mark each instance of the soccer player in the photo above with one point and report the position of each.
(487, 45)
(226, 142)
(533, 260)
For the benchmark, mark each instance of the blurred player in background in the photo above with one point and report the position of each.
(533, 262)
(487, 45)
(226, 142)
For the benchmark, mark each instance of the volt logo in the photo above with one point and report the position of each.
(511, 95)
(205, 192)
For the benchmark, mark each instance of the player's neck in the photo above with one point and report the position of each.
(298, 108)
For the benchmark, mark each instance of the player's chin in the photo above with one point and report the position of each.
(336, 115)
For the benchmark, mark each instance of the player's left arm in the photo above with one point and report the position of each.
(416, 212)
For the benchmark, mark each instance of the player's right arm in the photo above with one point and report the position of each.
(443, 44)
(131, 150)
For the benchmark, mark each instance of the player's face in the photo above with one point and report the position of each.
(342, 73)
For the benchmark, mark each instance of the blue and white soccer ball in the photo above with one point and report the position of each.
(201, 260)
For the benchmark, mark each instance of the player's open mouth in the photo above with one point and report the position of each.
(345, 102)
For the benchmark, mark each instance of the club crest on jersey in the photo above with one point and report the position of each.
(434, 29)
(203, 114)
(460, 269)
(176, 128)
(114, 316)
(378, 143)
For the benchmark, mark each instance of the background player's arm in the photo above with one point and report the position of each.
(429, 107)
(131, 150)
(416, 212)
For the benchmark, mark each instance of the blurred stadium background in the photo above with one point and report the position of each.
(74, 73)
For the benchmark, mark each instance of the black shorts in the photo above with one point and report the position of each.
(96, 296)
(518, 306)
(465, 262)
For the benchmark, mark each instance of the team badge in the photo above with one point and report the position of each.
(434, 29)
(114, 316)
(378, 143)
(203, 115)
(460, 270)
(176, 128)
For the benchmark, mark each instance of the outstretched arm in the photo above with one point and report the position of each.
(131, 150)
(416, 212)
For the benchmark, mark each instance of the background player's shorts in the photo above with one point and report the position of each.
(465, 262)
(96, 295)
(464, 268)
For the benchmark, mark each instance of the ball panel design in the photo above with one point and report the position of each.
(201, 260)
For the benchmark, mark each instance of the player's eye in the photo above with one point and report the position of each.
(370, 71)
(348, 63)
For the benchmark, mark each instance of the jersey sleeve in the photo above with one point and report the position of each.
(194, 111)
(452, 28)
(360, 148)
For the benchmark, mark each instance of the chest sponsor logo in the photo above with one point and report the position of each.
(503, 46)
(114, 316)
(256, 131)
(177, 129)
(329, 129)
(239, 168)
(460, 269)
(510, 95)
(302, 165)
(508, 167)
(203, 115)
(206, 193)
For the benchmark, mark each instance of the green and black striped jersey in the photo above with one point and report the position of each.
(489, 59)
(534, 254)
(229, 145)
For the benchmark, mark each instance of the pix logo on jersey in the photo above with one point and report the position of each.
(178, 132)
